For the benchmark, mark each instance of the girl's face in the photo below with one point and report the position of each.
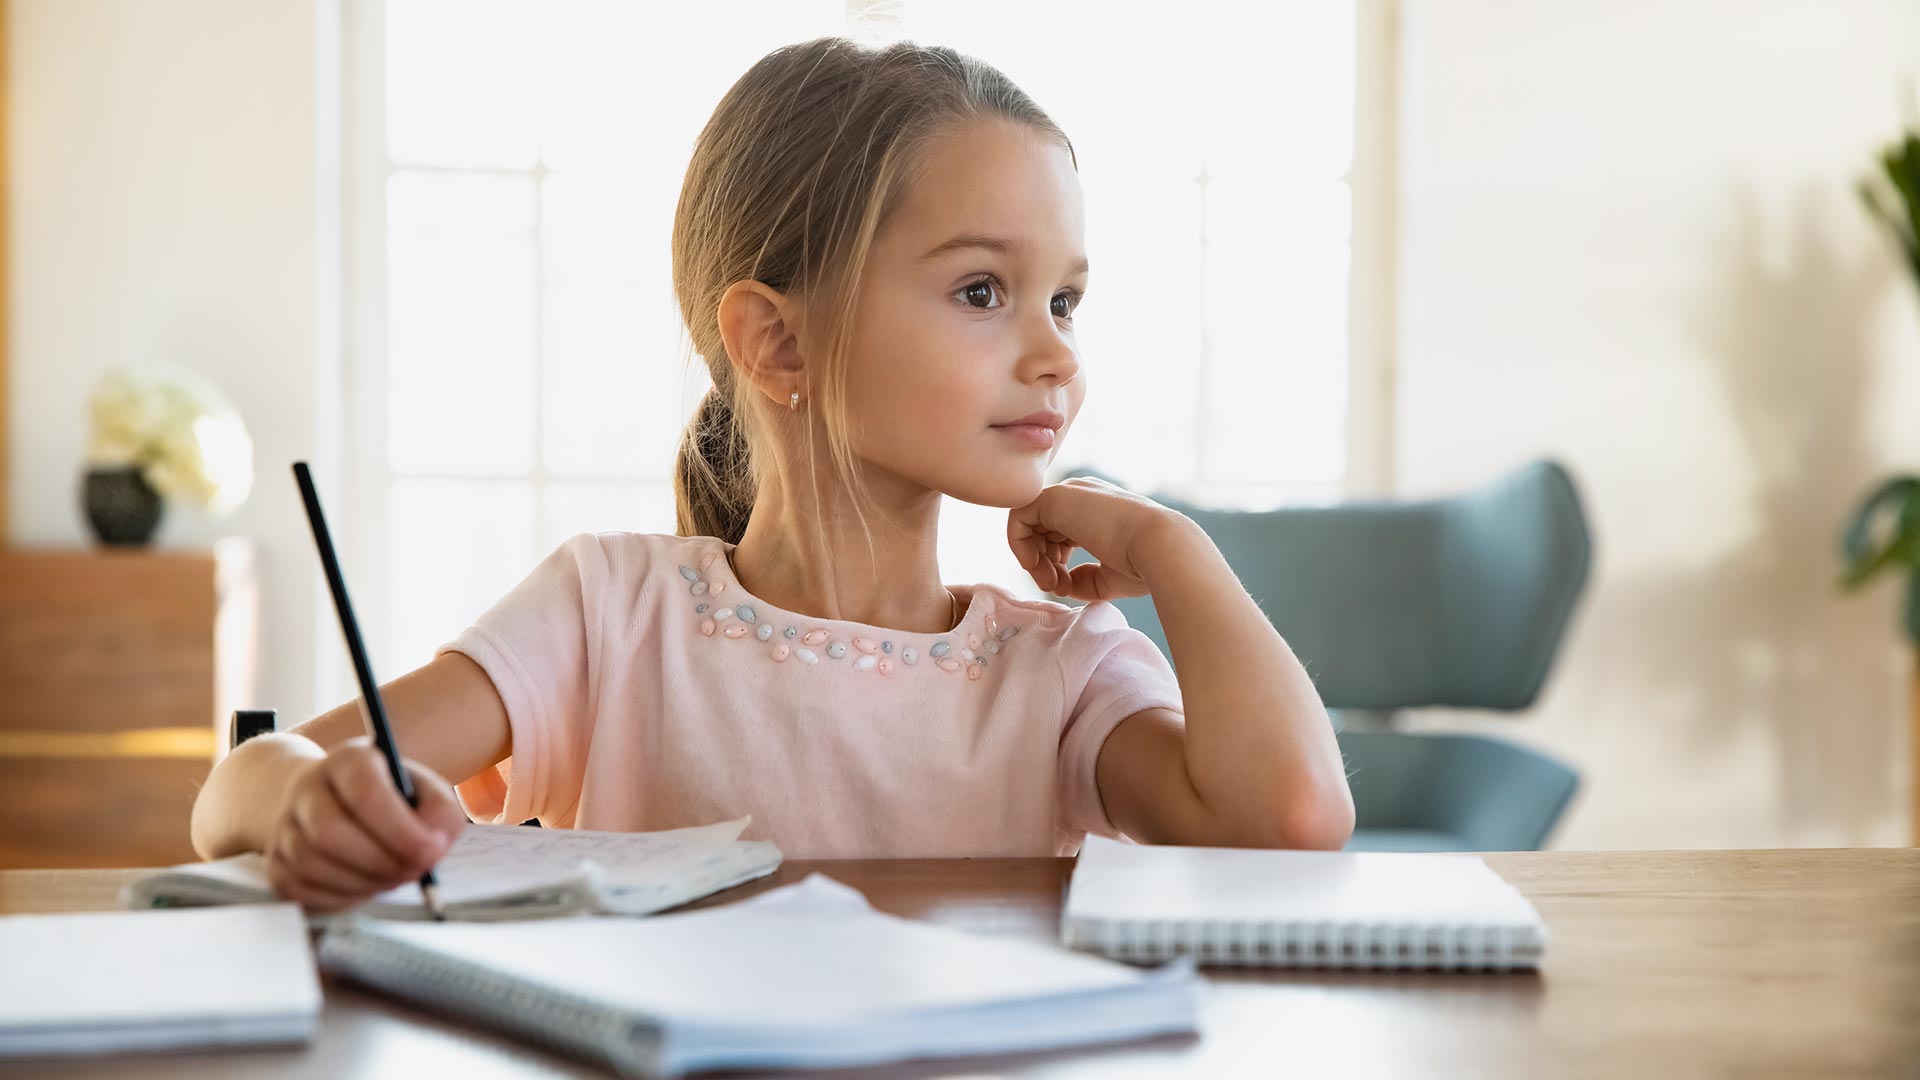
(965, 320)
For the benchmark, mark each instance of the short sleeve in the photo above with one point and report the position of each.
(535, 644)
(1109, 671)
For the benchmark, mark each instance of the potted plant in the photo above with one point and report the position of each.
(1884, 533)
(161, 432)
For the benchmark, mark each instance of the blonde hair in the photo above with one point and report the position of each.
(802, 162)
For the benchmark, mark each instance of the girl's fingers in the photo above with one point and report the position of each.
(1029, 553)
(361, 783)
(330, 831)
(1044, 556)
(292, 882)
(318, 866)
(1048, 574)
(439, 807)
(1089, 581)
(348, 833)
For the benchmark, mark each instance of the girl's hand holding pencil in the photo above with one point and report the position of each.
(344, 833)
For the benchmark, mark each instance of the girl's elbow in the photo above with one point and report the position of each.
(1319, 821)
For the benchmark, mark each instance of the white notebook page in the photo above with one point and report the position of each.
(1120, 882)
(810, 953)
(180, 977)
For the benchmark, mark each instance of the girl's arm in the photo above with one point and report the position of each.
(446, 716)
(1256, 763)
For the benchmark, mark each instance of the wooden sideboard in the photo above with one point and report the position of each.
(119, 671)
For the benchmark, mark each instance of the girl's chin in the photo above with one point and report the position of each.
(1006, 491)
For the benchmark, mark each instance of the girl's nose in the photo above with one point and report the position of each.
(1052, 352)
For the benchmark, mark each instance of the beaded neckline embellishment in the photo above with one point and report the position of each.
(784, 637)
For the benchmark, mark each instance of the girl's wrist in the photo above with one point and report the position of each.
(1171, 539)
(246, 795)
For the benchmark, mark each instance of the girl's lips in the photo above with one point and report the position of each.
(1035, 435)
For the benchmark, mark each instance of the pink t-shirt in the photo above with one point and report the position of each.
(646, 690)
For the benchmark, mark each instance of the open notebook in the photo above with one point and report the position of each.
(121, 981)
(803, 976)
(510, 872)
(1251, 907)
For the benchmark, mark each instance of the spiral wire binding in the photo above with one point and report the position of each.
(1247, 943)
(561, 1021)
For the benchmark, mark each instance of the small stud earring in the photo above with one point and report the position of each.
(793, 400)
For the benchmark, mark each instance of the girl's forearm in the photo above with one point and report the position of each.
(1260, 750)
(242, 796)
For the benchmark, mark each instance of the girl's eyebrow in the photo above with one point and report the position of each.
(991, 243)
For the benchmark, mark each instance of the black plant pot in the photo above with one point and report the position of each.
(121, 506)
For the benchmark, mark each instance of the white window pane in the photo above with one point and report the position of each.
(1139, 332)
(461, 276)
(1260, 495)
(1120, 122)
(1280, 88)
(569, 509)
(1276, 274)
(462, 82)
(614, 342)
(1292, 434)
(616, 85)
(730, 36)
(456, 546)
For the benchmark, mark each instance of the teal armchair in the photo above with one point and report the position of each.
(1455, 602)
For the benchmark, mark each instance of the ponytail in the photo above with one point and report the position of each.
(713, 480)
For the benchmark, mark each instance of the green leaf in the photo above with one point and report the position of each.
(1913, 608)
(1895, 224)
(1864, 560)
(1894, 161)
(1910, 189)
(1902, 166)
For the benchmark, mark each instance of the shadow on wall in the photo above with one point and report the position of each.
(1761, 644)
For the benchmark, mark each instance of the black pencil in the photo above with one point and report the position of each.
(371, 705)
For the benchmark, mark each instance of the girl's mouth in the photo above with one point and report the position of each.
(1037, 436)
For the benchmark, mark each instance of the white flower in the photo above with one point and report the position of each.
(178, 429)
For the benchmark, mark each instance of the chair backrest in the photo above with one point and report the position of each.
(1458, 602)
(1477, 793)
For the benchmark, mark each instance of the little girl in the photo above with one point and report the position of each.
(878, 252)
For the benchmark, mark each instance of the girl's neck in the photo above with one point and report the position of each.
(785, 561)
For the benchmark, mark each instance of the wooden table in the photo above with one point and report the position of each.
(1799, 963)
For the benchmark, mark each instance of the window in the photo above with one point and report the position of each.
(516, 371)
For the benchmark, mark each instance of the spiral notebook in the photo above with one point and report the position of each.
(496, 872)
(1259, 908)
(804, 976)
(118, 982)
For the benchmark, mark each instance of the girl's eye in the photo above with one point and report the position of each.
(982, 288)
(978, 289)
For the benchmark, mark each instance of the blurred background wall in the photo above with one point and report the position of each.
(174, 197)
(1628, 237)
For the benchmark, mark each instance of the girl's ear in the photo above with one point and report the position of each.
(757, 327)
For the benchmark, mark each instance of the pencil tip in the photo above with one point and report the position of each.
(433, 902)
